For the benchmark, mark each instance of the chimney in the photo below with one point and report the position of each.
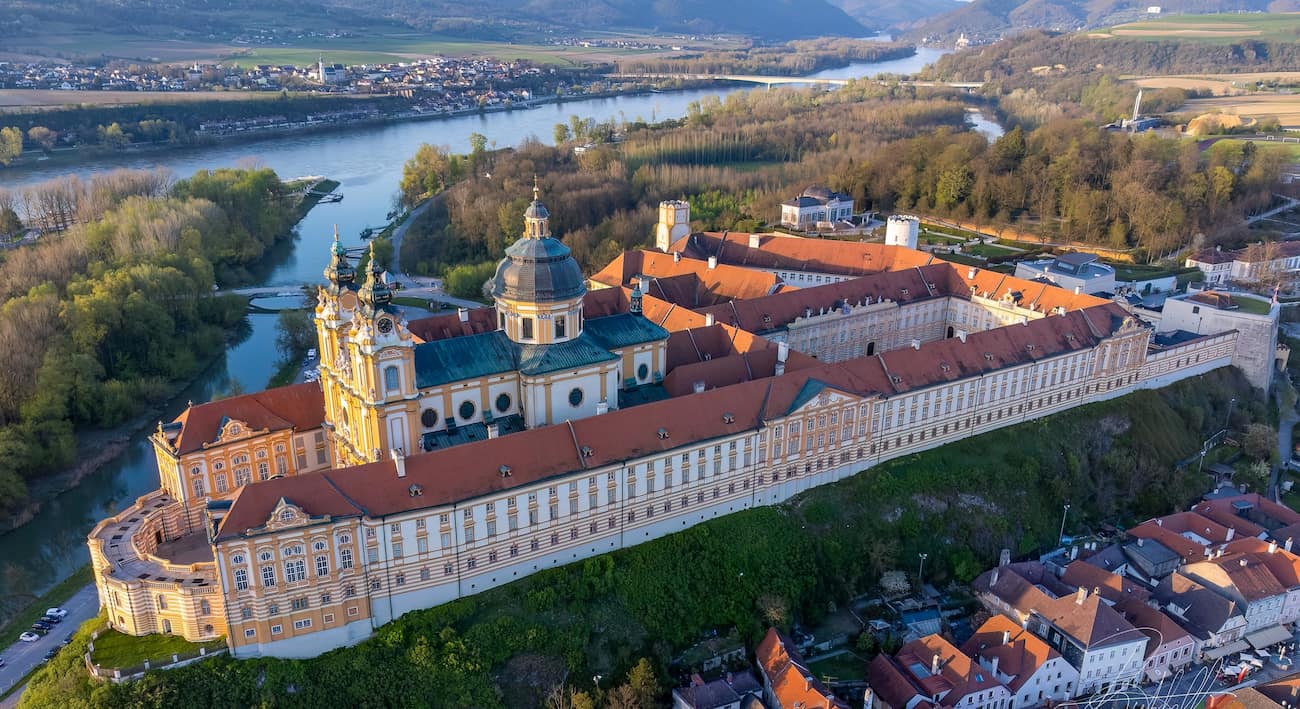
(1242, 561)
(1078, 290)
(602, 407)
(1141, 541)
(1287, 545)
(1081, 595)
(994, 669)
(961, 335)
(713, 262)
(782, 351)
(1272, 547)
(399, 461)
(493, 430)
(755, 241)
(916, 344)
(677, 257)
(994, 578)
(1160, 521)
(1074, 553)
(971, 273)
(934, 664)
(1232, 532)
(1004, 557)
(708, 320)
(698, 387)
(463, 313)
(1006, 637)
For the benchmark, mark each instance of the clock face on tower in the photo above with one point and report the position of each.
(385, 325)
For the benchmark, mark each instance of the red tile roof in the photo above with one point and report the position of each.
(449, 325)
(793, 684)
(1091, 622)
(775, 251)
(1094, 579)
(958, 676)
(1159, 628)
(1019, 656)
(300, 407)
(686, 281)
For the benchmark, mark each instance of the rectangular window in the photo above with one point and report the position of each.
(397, 550)
(446, 540)
(329, 618)
(527, 328)
(422, 545)
(250, 632)
(559, 327)
(276, 630)
(241, 579)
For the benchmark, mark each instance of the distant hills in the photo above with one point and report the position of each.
(896, 14)
(985, 20)
(517, 20)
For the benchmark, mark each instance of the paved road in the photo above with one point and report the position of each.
(395, 267)
(21, 658)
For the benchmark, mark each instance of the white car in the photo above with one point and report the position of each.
(29, 637)
(56, 613)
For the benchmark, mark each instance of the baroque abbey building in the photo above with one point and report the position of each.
(443, 456)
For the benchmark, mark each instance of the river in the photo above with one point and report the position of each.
(367, 161)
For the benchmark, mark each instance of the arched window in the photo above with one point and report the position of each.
(392, 379)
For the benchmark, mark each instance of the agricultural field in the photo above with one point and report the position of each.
(1284, 107)
(1224, 28)
(1218, 84)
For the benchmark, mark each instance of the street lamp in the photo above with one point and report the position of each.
(920, 571)
(1227, 421)
(1064, 513)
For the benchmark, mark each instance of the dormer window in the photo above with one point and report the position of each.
(286, 515)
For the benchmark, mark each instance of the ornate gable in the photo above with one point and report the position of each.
(815, 395)
(285, 515)
(235, 430)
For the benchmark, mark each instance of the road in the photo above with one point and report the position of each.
(21, 658)
(1286, 422)
(399, 233)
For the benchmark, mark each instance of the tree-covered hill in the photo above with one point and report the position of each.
(488, 19)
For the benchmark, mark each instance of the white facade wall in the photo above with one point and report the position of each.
(1054, 681)
(1111, 665)
(1256, 345)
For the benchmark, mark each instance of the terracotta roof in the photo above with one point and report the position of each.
(1017, 590)
(1159, 628)
(1245, 698)
(1251, 514)
(792, 683)
(298, 406)
(686, 281)
(1091, 622)
(1286, 690)
(1200, 610)
(1244, 573)
(1188, 550)
(1191, 523)
(1213, 256)
(958, 676)
(449, 325)
(1019, 657)
(1112, 587)
(890, 682)
(776, 251)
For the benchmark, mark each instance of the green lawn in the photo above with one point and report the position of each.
(34, 610)
(929, 237)
(846, 666)
(1219, 29)
(988, 250)
(115, 650)
(1252, 305)
(961, 258)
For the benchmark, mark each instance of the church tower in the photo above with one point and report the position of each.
(538, 287)
(367, 363)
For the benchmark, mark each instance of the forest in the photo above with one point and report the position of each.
(114, 305)
(889, 147)
(510, 646)
(791, 59)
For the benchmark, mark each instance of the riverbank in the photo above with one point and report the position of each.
(72, 156)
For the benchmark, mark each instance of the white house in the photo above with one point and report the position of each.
(816, 205)
(1094, 638)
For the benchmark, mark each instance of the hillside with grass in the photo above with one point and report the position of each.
(1114, 462)
(283, 21)
(992, 19)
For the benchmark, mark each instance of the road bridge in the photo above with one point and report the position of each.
(771, 81)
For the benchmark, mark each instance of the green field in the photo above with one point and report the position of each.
(1224, 28)
(395, 48)
(117, 651)
(846, 666)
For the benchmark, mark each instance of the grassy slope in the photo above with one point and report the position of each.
(960, 504)
(51, 598)
(1223, 29)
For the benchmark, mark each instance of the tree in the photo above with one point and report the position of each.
(296, 334)
(477, 143)
(561, 134)
(643, 682)
(1259, 441)
(10, 224)
(11, 144)
(42, 136)
(894, 583)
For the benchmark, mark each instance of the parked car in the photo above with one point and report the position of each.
(2, 662)
(29, 637)
(41, 627)
(56, 612)
(67, 640)
(50, 655)
(52, 619)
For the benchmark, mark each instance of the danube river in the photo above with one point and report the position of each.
(367, 161)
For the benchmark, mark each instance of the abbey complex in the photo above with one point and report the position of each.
(443, 456)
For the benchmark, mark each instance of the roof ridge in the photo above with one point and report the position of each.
(885, 366)
(344, 495)
(577, 447)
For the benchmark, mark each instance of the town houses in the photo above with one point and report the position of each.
(444, 456)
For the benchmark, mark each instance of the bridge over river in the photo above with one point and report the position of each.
(771, 81)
